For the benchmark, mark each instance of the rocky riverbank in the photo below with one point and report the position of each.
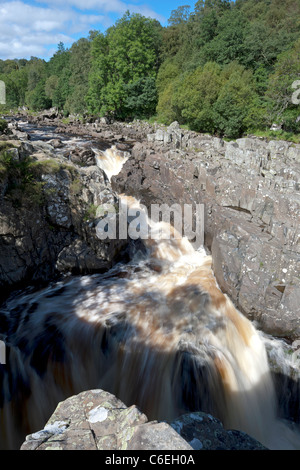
(250, 189)
(97, 420)
(48, 203)
(250, 192)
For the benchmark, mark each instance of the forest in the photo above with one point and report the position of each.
(225, 68)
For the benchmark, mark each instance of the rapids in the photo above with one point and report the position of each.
(157, 332)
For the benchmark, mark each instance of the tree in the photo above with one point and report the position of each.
(36, 71)
(57, 85)
(180, 15)
(12, 92)
(166, 83)
(141, 98)
(228, 44)
(279, 94)
(196, 97)
(121, 59)
(176, 35)
(99, 74)
(79, 66)
(59, 60)
(51, 85)
(62, 91)
(203, 7)
(16, 86)
(236, 99)
(36, 99)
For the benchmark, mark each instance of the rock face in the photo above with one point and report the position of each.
(250, 191)
(97, 420)
(48, 227)
(205, 432)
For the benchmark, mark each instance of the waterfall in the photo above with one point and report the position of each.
(156, 332)
(110, 160)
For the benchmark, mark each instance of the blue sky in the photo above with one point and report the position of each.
(35, 27)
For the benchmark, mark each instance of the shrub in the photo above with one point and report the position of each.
(3, 125)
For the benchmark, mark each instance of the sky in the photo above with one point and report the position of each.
(35, 27)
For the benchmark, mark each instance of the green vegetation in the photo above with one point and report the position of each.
(124, 66)
(226, 68)
(24, 176)
(22, 182)
(278, 135)
(3, 125)
(90, 213)
(76, 186)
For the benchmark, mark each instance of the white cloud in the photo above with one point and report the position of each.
(35, 28)
(107, 6)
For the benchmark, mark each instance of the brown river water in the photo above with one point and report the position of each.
(157, 332)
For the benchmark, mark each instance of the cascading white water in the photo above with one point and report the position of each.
(157, 332)
(110, 160)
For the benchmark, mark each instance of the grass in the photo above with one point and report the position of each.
(4, 145)
(22, 184)
(65, 120)
(3, 125)
(277, 135)
(90, 213)
(49, 165)
(24, 177)
(267, 134)
(155, 120)
(76, 186)
(43, 166)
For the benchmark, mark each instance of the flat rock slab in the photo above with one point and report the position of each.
(97, 420)
(205, 432)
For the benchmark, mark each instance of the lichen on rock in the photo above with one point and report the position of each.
(97, 420)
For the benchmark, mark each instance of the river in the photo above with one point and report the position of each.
(156, 332)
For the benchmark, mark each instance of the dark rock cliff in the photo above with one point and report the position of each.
(48, 217)
(97, 420)
(250, 192)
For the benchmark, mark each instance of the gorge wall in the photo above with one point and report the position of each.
(250, 189)
(250, 192)
(96, 420)
(48, 204)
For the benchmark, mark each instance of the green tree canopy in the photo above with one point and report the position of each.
(126, 55)
(227, 67)
(279, 94)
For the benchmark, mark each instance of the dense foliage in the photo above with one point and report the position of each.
(225, 68)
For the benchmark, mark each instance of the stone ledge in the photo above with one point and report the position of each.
(97, 420)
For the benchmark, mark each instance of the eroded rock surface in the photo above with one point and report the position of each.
(97, 420)
(250, 192)
(205, 432)
(48, 227)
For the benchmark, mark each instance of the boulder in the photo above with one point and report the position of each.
(48, 227)
(56, 143)
(205, 432)
(97, 420)
(83, 157)
(250, 192)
